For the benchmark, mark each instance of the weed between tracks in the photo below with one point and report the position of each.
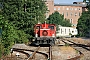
(67, 49)
(66, 44)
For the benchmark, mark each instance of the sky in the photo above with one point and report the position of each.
(67, 1)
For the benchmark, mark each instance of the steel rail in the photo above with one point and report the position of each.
(77, 57)
(32, 51)
(33, 54)
(50, 53)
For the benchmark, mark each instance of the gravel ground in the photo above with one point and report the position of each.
(58, 52)
(85, 52)
(85, 41)
(63, 52)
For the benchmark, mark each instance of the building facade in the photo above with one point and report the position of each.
(70, 11)
(50, 7)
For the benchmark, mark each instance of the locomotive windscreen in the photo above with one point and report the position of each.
(38, 27)
(51, 27)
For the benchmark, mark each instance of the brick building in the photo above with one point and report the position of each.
(70, 11)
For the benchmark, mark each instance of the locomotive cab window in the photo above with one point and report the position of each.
(51, 27)
(38, 27)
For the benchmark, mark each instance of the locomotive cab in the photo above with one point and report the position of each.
(45, 33)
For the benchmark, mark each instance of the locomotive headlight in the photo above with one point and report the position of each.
(33, 40)
(53, 35)
(44, 33)
(36, 35)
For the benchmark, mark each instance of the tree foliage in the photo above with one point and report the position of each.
(10, 35)
(18, 21)
(58, 19)
(83, 25)
(86, 0)
(24, 13)
(88, 4)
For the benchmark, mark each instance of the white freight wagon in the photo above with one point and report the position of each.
(66, 31)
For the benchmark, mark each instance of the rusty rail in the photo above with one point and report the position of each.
(50, 53)
(77, 57)
(27, 54)
(33, 54)
(14, 57)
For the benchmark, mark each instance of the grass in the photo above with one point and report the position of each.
(66, 44)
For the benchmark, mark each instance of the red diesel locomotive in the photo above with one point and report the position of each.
(45, 34)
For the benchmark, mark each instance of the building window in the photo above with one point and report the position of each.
(61, 31)
(75, 8)
(47, 15)
(67, 13)
(58, 8)
(62, 13)
(78, 8)
(71, 8)
(65, 31)
(67, 9)
(69, 30)
(75, 14)
(48, 8)
(79, 14)
(74, 25)
(47, 3)
(70, 14)
(54, 8)
(71, 20)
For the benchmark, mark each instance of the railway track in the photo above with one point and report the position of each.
(32, 53)
(81, 48)
(77, 57)
(48, 53)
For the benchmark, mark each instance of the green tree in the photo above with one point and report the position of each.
(83, 25)
(24, 13)
(66, 23)
(86, 0)
(20, 17)
(10, 35)
(1, 46)
(58, 19)
(88, 4)
(88, 27)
